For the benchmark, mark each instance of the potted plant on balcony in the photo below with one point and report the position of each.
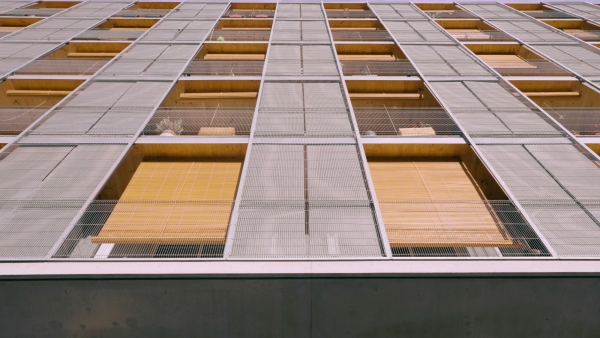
(169, 128)
(418, 129)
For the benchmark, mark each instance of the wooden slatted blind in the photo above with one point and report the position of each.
(420, 204)
(174, 203)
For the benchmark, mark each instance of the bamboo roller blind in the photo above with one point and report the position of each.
(174, 203)
(423, 205)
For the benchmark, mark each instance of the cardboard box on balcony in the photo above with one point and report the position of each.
(426, 131)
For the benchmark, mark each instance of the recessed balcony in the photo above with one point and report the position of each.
(583, 30)
(348, 11)
(250, 11)
(373, 60)
(540, 11)
(228, 59)
(147, 10)
(41, 9)
(444, 11)
(359, 31)
(10, 25)
(473, 30)
(118, 30)
(241, 30)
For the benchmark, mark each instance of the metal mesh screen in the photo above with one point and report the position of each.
(582, 60)
(175, 30)
(290, 60)
(492, 11)
(531, 32)
(305, 201)
(396, 11)
(220, 121)
(225, 68)
(405, 122)
(415, 31)
(152, 60)
(582, 9)
(378, 68)
(487, 108)
(13, 120)
(444, 61)
(105, 108)
(580, 121)
(64, 67)
(53, 29)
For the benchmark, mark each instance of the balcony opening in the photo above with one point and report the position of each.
(373, 60)
(228, 30)
(515, 60)
(348, 11)
(473, 30)
(250, 11)
(163, 201)
(440, 200)
(444, 11)
(41, 9)
(228, 59)
(540, 11)
(583, 30)
(219, 108)
(75, 58)
(573, 104)
(147, 10)
(9, 25)
(386, 108)
(118, 30)
(359, 31)
(22, 101)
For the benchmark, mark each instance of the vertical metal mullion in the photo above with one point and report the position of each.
(385, 243)
(244, 173)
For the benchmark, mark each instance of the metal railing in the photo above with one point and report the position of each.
(449, 14)
(482, 35)
(35, 12)
(580, 121)
(239, 35)
(149, 229)
(459, 228)
(404, 122)
(249, 13)
(109, 34)
(142, 13)
(225, 68)
(349, 14)
(549, 15)
(211, 122)
(531, 68)
(64, 66)
(13, 120)
(378, 68)
(361, 35)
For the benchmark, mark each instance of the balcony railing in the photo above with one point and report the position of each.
(361, 35)
(449, 14)
(190, 229)
(35, 12)
(579, 121)
(378, 68)
(479, 35)
(13, 120)
(64, 67)
(529, 68)
(142, 13)
(239, 35)
(191, 121)
(111, 34)
(249, 14)
(549, 15)
(225, 68)
(405, 122)
(459, 228)
(585, 35)
(349, 14)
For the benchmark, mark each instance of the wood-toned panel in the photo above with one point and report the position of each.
(418, 200)
(506, 61)
(174, 203)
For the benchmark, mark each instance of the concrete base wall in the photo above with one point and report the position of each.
(302, 307)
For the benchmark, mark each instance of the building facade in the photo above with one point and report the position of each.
(286, 167)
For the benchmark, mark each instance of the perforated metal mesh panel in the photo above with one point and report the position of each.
(582, 9)
(396, 11)
(106, 108)
(492, 11)
(487, 108)
(184, 31)
(415, 31)
(444, 61)
(303, 109)
(580, 59)
(296, 60)
(305, 201)
(531, 32)
(42, 187)
(152, 60)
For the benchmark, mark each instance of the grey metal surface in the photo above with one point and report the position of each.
(492, 11)
(532, 31)
(152, 60)
(399, 11)
(444, 61)
(407, 32)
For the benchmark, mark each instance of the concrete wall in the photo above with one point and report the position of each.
(302, 307)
